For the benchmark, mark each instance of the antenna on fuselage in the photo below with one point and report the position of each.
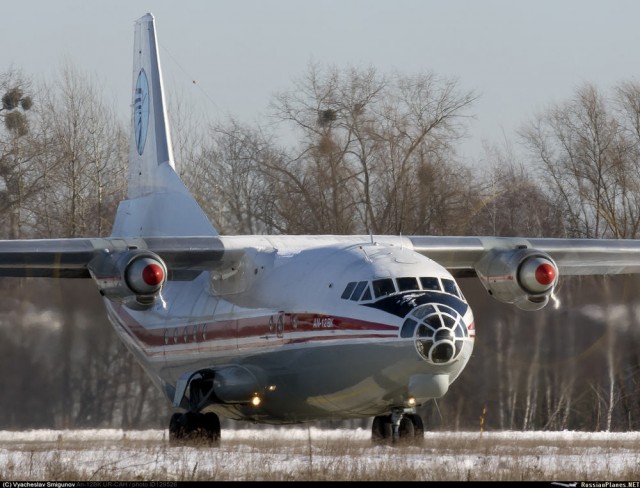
(371, 236)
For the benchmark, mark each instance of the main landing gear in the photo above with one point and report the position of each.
(194, 428)
(398, 427)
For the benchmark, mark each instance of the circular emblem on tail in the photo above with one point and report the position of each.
(141, 111)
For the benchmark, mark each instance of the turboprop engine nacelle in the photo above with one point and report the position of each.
(134, 278)
(525, 277)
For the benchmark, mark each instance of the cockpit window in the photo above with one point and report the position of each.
(383, 287)
(362, 290)
(358, 291)
(450, 287)
(367, 294)
(430, 284)
(348, 290)
(407, 284)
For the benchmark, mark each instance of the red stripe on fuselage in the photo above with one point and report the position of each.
(268, 330)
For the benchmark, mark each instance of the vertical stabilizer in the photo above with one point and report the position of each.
(158, 202)
(150, 144)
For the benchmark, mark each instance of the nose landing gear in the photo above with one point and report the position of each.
(400, 426)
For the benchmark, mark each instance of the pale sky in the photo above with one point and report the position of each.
(519, 56)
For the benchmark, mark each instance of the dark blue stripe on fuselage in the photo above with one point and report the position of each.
(402, 303)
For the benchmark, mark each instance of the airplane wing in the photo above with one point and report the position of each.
(133, 270)
(461, 255)
(71, 258)
(525, 272)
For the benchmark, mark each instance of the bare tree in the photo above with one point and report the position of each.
(589, 161)
(511, 201)
(376, 150)
(84, 165)
(19, 179)
(233, 178)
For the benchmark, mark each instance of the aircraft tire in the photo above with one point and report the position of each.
(176, 428)
(194, 428)
(418, 427)
(406, 430)
(211, 426)
(192, 423)
(382, 428)
(411, 430)
(418, 424)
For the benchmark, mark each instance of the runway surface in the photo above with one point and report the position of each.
(313, 454)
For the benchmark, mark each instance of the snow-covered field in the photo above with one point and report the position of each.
(313, 454)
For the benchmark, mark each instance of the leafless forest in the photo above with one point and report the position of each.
(341, 151)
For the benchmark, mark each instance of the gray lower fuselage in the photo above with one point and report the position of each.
(314, 349)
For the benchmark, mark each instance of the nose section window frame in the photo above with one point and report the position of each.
(357, 293)
(430, 283)
(437, 328)
(408, 283)
(449, 286)
(348, 290)
(383, 287)
(366, 296)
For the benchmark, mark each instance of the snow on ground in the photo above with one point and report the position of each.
(267, 434)
(161, 435)
(310, 453)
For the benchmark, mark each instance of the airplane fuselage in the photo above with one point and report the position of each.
(284, 329)
(318, 328)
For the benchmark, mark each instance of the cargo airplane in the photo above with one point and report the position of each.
(288, 328)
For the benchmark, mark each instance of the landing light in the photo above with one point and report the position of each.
(271, 388)
(255, 400)
(411, 402)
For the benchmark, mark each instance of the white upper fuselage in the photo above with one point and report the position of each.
(289, 328)
(317, 326)
(289, 294)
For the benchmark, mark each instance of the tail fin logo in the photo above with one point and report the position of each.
(141, 111)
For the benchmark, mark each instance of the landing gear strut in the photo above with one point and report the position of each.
(398, 427)
(192, 427)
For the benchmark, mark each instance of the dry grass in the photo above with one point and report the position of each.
(277, 456)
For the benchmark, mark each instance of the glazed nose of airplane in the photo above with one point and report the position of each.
(439, 332)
